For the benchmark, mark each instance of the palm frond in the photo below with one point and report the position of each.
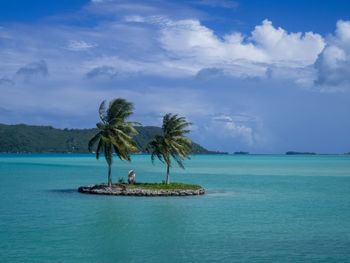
(102, 111)
(172, 144)
(99, 149)
(119, 108)
(93, 140)
(101, 126)
(133, 123)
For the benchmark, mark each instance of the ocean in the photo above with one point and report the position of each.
(257, 208)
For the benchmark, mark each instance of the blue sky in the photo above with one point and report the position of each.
(257, 76)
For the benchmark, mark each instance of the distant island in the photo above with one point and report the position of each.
(241, 153)
(22, 138)
(300, 153)
(313, 153)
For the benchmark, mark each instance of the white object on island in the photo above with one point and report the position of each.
(131, 178)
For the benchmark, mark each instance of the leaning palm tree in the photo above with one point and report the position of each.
(172, 143)
(114, 132)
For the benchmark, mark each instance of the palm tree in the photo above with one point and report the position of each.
(114, 132)
(172, 143)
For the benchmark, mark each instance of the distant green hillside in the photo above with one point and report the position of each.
(38, 139)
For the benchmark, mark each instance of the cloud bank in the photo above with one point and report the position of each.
(333, 63)
(243, 91)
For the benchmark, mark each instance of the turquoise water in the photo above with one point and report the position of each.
(270, 208)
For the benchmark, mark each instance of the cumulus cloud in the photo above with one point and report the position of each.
(193, 44)
(75, 45)
(333, 64)
(226, 125)
(287, 48)
(32, 70)
(189, 39)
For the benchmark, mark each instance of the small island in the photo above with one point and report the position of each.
(300, 153)
(144, 189)
(116, 135)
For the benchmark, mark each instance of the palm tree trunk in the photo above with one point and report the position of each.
(167, 175)
(109, 176)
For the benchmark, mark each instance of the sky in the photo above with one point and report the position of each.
(251, 75)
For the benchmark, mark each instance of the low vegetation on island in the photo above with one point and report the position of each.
(115, 135)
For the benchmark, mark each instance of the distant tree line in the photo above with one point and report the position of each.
(46, 139)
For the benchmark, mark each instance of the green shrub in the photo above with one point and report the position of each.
(121, 180)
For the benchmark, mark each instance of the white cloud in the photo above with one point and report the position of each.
(226, 126)
(287, 48)
(191, 43)
(158, 45)
(240, 130)
(190, 39)
(75, 45)
(222, 118)
(134, 18)
(333, 64)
